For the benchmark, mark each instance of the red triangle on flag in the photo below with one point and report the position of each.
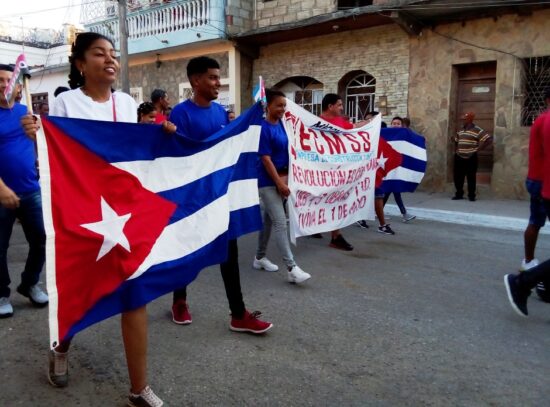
(80, 182)
(388, 159)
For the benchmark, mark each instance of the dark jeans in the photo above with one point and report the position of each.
(465, 168)
(398, 201)
(30, 215)
(231, 281)
(540, 274)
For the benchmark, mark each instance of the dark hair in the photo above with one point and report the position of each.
(397, 118)
(4, 67)
(157, 95)
(60, 89)
(42, 104)
(329, 99)
(271, 94)
(201, 65)
(372, 113)
(406, 122)
(383, 125)
(546, 93)
(81, 44)
(145, 108)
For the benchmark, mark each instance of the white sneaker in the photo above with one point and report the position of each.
(528, 265)
(265, 264)
(6, 310)
(144, 399)
(38, 297)
(297, 275)
(407, 217)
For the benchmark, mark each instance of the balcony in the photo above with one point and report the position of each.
(160, 26)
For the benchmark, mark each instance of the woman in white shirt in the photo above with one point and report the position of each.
(94, 69)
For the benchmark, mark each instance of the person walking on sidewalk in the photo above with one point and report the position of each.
(519, 286)
(19, 199)
(199, 118)
(468, 141)
(533, 183)
(273, 188)
(397, 122)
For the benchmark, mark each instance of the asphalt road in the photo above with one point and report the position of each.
(416, 319)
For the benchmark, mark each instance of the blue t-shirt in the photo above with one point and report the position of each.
(273, 142)
(17, 153)
(198, 122)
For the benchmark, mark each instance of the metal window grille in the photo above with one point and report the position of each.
(536, 80)
(360, 94)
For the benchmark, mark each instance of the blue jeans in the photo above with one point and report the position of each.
(30, 215)
(273, 213)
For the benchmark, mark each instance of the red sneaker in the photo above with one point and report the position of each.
(250, 323)
(180, 313)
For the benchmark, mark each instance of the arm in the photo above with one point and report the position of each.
(272, 171)
(8, 198)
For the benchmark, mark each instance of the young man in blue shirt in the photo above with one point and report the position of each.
(19, 199)
(199, 118)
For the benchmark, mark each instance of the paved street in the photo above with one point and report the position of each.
(416, 319)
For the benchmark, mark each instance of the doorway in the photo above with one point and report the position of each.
(476, 93)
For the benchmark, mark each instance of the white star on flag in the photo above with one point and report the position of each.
(111, 228)
(382, 161)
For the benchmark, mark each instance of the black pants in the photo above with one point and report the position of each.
(465, 168)
(541, 274)
(231, 281)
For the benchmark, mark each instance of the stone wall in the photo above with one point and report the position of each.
(383, 52)
(168, 77)
(286, 11)
(432, 99)
(240, 15)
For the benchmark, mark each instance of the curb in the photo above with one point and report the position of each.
(467, 218)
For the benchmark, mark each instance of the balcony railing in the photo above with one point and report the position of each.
(196, 16)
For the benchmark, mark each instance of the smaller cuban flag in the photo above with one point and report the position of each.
(132, 213)
(408, 173)
(21, 70)
(258, 93)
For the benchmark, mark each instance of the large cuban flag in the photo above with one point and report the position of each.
(407, 173)
(132, 213)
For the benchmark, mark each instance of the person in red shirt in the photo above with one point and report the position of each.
(519, 286)
(160, 99)
(533, 183)
(333, 109)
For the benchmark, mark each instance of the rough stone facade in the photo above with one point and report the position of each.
(383, 52)
(287, 11)
(168, 77)
(240, 15)
(432, 99)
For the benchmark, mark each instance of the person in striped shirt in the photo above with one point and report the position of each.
(468, 141)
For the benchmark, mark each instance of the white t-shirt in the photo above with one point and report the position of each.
(76, 105)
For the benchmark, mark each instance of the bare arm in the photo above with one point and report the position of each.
(8, 198)
(281, 185)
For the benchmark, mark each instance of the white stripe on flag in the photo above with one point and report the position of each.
(201, 228)
(243, 194)
(179, 171)
(412, 150)
(404, 174)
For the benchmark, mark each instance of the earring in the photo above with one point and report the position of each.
(82, 74)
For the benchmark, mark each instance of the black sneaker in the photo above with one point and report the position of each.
(457, 198)
(362, 224)
(543, 292)
(516, 295)
(386, 229)
(340, 243)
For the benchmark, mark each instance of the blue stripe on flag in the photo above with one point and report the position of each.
(412, 163)
(394, 185)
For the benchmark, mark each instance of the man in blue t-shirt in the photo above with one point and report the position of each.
(199, 118)
(19, 199)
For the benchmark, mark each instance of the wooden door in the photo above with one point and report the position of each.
(476, 93)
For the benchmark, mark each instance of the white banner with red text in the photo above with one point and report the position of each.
(332, 172)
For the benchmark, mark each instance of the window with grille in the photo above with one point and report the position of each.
(304, 91)
(360, 94)
(37, 99)
(347, 4)
(536, 72)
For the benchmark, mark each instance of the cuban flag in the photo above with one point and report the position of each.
(258, 93)
(408, 166)
(132, 213)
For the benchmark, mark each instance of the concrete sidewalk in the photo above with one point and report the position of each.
(494, 213)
